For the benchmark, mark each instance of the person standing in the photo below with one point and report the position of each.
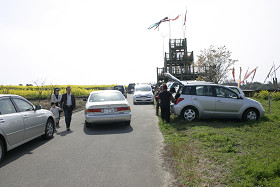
(157, 100)
(55, 110)
(68, 104)
(56, 98)
(165, 98)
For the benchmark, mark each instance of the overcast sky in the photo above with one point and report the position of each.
(88, 42)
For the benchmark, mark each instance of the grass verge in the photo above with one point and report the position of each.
(224, 152)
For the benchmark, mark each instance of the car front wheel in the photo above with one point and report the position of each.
(2, 151)
(250, 114)
(189, 114)
(49, 129)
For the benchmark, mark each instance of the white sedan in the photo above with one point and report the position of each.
(107, 106)
(21, 121)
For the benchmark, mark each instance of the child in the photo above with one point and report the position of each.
(55, 110)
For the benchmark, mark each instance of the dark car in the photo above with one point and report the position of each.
(122, 89)
(130, 88)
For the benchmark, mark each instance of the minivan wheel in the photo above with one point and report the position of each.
(250, 114)
(2, 151)
(189, 114)
(49, 129)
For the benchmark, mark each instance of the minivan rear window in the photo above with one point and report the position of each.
(188, 90)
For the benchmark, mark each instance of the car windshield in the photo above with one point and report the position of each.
(106, 96)
(143, 88)
(131, 86)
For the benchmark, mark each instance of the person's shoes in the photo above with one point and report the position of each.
(68, 129)
(54, 130)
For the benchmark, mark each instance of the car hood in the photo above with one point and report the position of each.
(252, 102)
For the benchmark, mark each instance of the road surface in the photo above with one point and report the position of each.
(107, 155)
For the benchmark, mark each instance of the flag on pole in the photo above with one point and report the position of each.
(245, 76)
(156, 25)
(174, 18)
(185, 18)
(254, 74)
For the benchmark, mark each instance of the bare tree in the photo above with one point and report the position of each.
(215, 64)
(40, 87)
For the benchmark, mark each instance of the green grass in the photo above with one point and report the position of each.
(225, 152)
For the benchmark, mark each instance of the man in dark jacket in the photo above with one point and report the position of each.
(165, 98)
(68, 103)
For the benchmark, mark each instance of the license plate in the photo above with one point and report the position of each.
(109, 110)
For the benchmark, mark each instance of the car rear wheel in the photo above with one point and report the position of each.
(49, 129)
(2, 151)
(87, 124)
(250, 115)
(189, 114)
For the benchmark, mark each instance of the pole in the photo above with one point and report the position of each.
(169, 30)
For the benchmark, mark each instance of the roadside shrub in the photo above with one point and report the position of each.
(264, 94)
(276, 96)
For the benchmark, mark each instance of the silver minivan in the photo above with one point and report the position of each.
(194, 101)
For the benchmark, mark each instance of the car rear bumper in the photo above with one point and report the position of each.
(111, 118)
(143, 100)
(175, 109)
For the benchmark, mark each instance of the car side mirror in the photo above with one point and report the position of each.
(38, 107)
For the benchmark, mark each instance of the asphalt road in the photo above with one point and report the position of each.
(106, 155)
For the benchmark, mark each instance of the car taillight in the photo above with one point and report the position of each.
(178, 100)
(94, 110)
(123, 108)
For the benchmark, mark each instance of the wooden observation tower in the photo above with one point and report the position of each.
(178, 62)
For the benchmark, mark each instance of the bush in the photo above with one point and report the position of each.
(264, 94)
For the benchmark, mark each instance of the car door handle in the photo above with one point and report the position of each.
(2, 121)
(195, 98)
(25, 116)
(219, 101)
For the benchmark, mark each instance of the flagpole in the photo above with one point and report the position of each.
(169, 31)
(239, 81)
(184, 25)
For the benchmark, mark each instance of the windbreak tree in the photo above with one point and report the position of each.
(215, 64)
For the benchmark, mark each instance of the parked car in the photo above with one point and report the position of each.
(196, 101)
(122, 89)
(21, 121)
(107, 106)
(143, 94)
(130, 88)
